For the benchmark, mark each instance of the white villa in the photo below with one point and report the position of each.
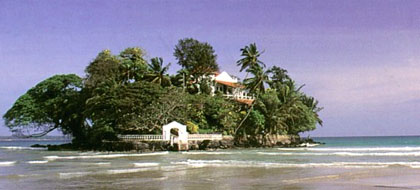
(230, 87)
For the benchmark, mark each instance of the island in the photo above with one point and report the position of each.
(124, 101)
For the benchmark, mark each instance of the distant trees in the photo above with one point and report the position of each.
(126, 94)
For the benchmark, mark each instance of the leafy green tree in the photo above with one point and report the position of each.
(133, 66)
(55, 103)
(121, 107)
(198, 58)
(105, 68)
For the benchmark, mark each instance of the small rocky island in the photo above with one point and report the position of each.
(125, 101)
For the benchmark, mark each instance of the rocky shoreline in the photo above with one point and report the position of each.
(278, 141)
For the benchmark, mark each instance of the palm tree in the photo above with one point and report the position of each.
(250, 56)
(252, 64)
(256, 84)
(157, 72)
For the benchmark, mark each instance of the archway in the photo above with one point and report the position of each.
(182, 131)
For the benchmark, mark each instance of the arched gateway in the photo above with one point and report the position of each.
(182, 131)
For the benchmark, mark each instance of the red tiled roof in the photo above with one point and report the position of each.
(231, 84)
(245, 101)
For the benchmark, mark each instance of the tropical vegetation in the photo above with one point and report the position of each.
(127, 94)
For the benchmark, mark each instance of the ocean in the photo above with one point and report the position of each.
(342, 163)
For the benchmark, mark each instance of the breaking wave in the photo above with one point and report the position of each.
(38, 162)
(73, 174)
(366, 149)
(103, 156)
(131, 170)
(7, 163)
(147, 164)
(21, 148)
(237, 163)
(414, 154)
(215, 153)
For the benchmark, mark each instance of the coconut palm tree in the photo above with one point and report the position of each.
(250, 56)
(157, 72)
(256, 83)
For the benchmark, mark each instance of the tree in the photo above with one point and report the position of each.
(157, 72)
(133, 66)
(256, 83)
(55, 103)
(250, 56)
(121, 107)
(197, 58)
(105, 68)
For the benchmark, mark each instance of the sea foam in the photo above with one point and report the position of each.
(73, 174)
(250, 164)
(414, 154)
(103, 156)
(365, 149)
(38, 162)
(7, 163)
(146, 164)
(130, 170)
(22, 148)
(207, 153)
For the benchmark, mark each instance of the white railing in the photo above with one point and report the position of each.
(191, 137)
(201, 137)
(239, 96)
(141, 137)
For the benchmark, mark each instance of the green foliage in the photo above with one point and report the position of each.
(192, 127)
(250, 56)
(133, 66)
(157, 72)
(197, 58)
(54, 103)
(105, 68)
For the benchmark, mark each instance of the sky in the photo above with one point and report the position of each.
(360, 59)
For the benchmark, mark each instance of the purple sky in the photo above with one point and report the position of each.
(360, 59)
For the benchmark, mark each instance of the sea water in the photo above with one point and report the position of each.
(342, 163)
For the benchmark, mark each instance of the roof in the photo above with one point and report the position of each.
(174, 124)
(231, 84)
(245, 101)
(225, 77)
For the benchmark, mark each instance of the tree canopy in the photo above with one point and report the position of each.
(196, 57)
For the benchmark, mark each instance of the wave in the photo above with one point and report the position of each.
(147, 164)
(309, 144)
(215, 153)
(7, 163)
(22, 148)
(366, 149)
(103, 156)
(38, 162)
(102, 163)
(73, 174)
(246, 164)
(414, 154)
(131, 170)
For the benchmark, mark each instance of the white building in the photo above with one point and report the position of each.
(229, 87)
